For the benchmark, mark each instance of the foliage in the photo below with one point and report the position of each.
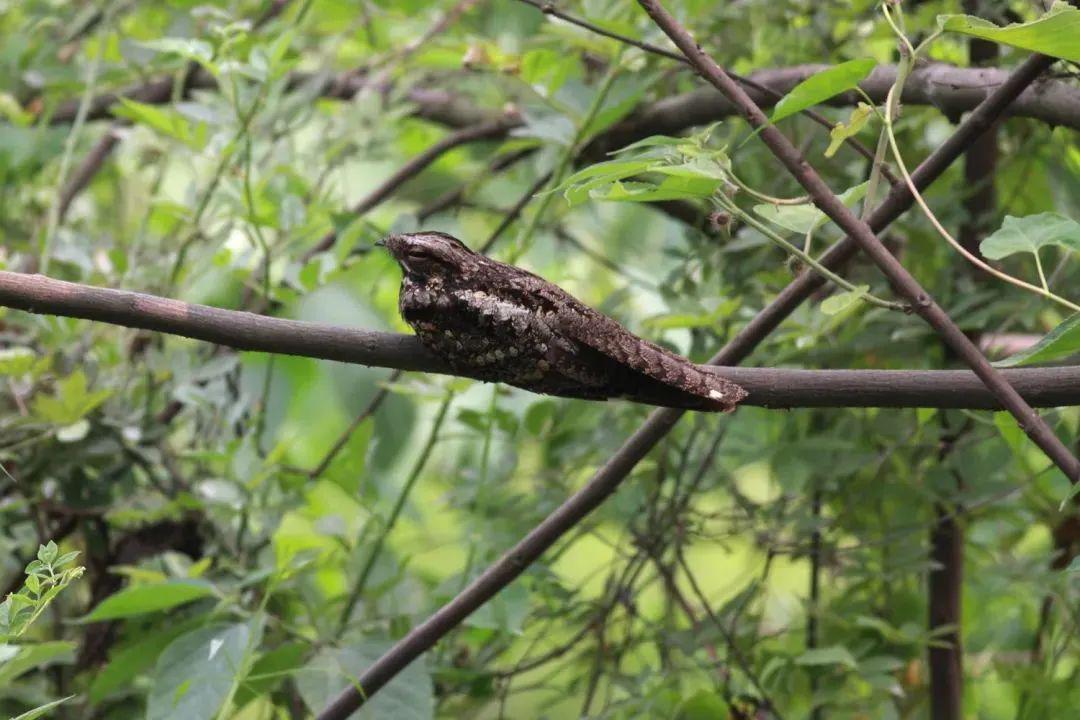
(257, 530)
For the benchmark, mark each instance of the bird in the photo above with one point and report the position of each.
(497, 322)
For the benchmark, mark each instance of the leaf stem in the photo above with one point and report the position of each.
(779, 240)
(892, 102)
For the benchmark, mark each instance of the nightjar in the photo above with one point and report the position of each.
(499, 323)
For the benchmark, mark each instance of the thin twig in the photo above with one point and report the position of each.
(483, 131)
(768, 387)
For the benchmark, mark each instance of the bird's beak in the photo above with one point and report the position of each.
(381, 242)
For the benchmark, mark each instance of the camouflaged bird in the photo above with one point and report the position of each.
(499, 323)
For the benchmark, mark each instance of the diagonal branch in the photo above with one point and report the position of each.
(607, 479)
(901, 280)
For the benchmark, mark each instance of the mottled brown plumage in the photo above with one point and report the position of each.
(497, 322)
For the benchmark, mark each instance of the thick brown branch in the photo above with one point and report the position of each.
(953, 90)
(768, 387)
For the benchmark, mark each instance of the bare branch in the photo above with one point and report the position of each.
(768, 387)
(953, 90)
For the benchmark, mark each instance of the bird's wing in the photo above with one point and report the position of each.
(575, 320)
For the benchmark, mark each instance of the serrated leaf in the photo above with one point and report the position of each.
(822, 86)
(1061, 342)
(1057, 33)
(1030, 233)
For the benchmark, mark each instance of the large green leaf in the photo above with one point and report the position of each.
(137, 657)
(17, 659)
(822, 86)
(1056, 33)
(1030, 233)
(409, 696)
(1061, 342)
(141, 599)
(195, 674)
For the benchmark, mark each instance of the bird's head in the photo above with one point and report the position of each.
(426, 255)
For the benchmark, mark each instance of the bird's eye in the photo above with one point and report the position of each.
(417, 253)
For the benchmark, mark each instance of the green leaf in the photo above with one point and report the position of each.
(142, 599)
(28, 657)
(138, 657)
(822, 86)
(838, 303)
(270, 670)
(1061, 342)
(48, 552)
(196, 672)
(834, 655)
(841, 132)
(576, 188)
(409, 696)
(1057, 33)
(74, 432)
(41, 709)
(803, 218)
(165, 120)
(71, 401)
(1030, 233)
(671, 188)
(1011, 433)
(347, 467)
(16, 360)
(702, 705)
(191, 48)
